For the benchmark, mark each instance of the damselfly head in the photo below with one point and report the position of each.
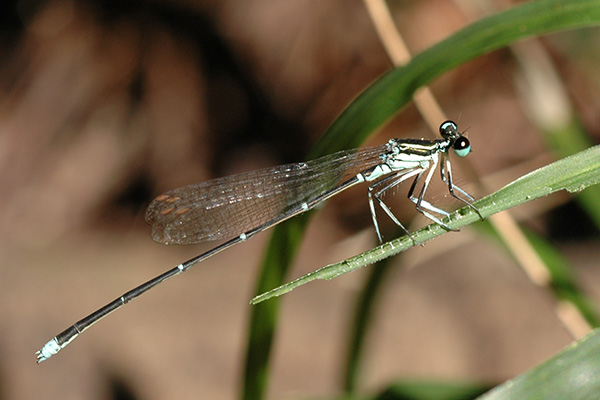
(449, 130)
(459, 143)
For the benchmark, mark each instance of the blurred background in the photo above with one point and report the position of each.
(106, 104)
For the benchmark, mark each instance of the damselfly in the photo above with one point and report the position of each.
(240, 206)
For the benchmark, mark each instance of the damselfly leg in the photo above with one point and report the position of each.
(375, 192)
(446, 173)
(422, 205)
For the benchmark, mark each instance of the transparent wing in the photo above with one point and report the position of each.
(226, 207)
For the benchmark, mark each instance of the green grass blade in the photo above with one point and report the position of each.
(573, 174)
(572, 374)
(567, 140)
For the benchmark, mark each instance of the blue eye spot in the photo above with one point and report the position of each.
(461, 146)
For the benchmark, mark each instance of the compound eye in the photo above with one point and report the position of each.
(461, 146)
(448, 129)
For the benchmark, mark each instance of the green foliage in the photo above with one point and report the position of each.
(572, 374)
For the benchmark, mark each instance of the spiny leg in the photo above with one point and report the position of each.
(374, 216)
(422, 205)
(375, 191)
(446, 172)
